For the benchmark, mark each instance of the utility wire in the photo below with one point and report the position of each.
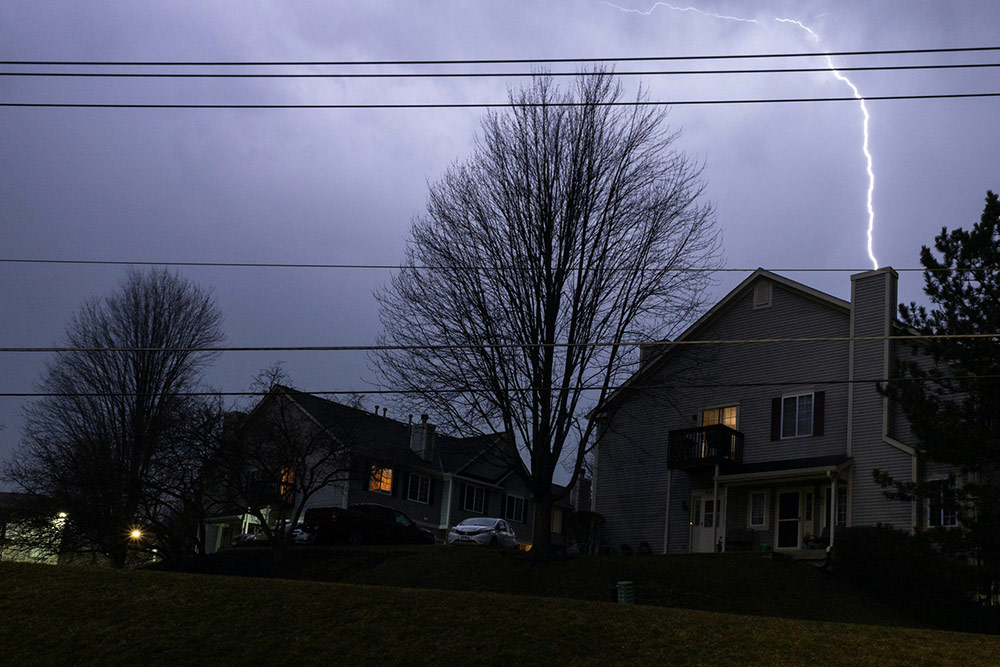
(493, 105)
(505, 346)
(472, 75)
(462, 390)
(399, 267)
(486, 61)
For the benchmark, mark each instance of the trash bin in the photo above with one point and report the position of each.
(626, 592)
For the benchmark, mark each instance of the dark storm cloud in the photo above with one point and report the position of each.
(342, 186)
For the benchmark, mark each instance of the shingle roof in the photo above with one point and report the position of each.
(388, 439)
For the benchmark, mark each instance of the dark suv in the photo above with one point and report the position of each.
(365, 523)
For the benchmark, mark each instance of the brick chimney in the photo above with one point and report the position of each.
(422, 438)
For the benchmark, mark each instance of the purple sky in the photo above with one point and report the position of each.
(341, 186)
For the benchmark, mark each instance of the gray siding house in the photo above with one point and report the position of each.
(766, 443)
(437, 480)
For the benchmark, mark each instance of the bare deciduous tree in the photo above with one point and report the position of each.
(90, 445)
(280, 457)
(574, 227)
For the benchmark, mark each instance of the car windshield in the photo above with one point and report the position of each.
(478, 522)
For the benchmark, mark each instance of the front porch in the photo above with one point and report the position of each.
(791, 507)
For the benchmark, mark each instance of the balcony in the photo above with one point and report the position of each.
(704, 446)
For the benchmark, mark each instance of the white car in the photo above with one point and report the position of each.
(485, 531)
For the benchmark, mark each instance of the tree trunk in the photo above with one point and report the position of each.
(118, 555)
(541, 533)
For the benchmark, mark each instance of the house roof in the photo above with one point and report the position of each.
(710, 316)
(813, 466)
(387, 439)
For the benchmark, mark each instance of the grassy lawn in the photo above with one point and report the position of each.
(733, 583)
(79, 616)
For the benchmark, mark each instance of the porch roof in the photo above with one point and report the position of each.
(784, 469)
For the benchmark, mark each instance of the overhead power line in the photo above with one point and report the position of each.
(491, 105)
(487, 61)
(397, 267)
(461, 390)
(471, 75)
(504, 346)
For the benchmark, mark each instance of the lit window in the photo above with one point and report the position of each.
(758, 509)
(725, 416)
(514, 509)
(381, 480)
(419, 489)
(796, 416)
(475, 499)
(941, 506)
(287, 483)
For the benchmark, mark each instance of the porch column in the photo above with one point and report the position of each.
(833, 507)
(666, 519)
(715, 508)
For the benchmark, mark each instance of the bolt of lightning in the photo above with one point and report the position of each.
(833, 69)
(864, 145)
(680, 9)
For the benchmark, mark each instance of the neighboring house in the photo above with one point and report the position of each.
(29, 532)
(763, 445)
(436, 479)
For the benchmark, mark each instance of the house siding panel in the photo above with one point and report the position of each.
(874, 298)
(631, 460)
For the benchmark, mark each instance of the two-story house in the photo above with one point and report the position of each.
(760, 425)
(436, 479)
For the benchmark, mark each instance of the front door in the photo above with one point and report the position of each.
(789, 523)
(704, 516)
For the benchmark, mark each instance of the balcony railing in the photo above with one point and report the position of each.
(704, 446)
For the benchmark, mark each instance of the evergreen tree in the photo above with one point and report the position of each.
(950, 388)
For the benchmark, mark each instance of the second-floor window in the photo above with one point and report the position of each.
(380, 480)
(726, 415)
(796, 415)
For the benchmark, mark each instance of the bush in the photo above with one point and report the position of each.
(911, 572)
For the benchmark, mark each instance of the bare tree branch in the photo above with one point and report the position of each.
(587, 224)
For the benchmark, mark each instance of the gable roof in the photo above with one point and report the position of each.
(710, 316)
(387, 439)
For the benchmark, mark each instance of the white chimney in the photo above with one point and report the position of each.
(422, 438)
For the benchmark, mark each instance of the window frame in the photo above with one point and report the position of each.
(763, 523)
(812, 415)
(841, 507)
(719, 413)
(514, 516)
(478, 493)
(423, 498)
(941, 483)
(380, 480)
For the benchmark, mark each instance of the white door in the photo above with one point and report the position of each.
(704, 516)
